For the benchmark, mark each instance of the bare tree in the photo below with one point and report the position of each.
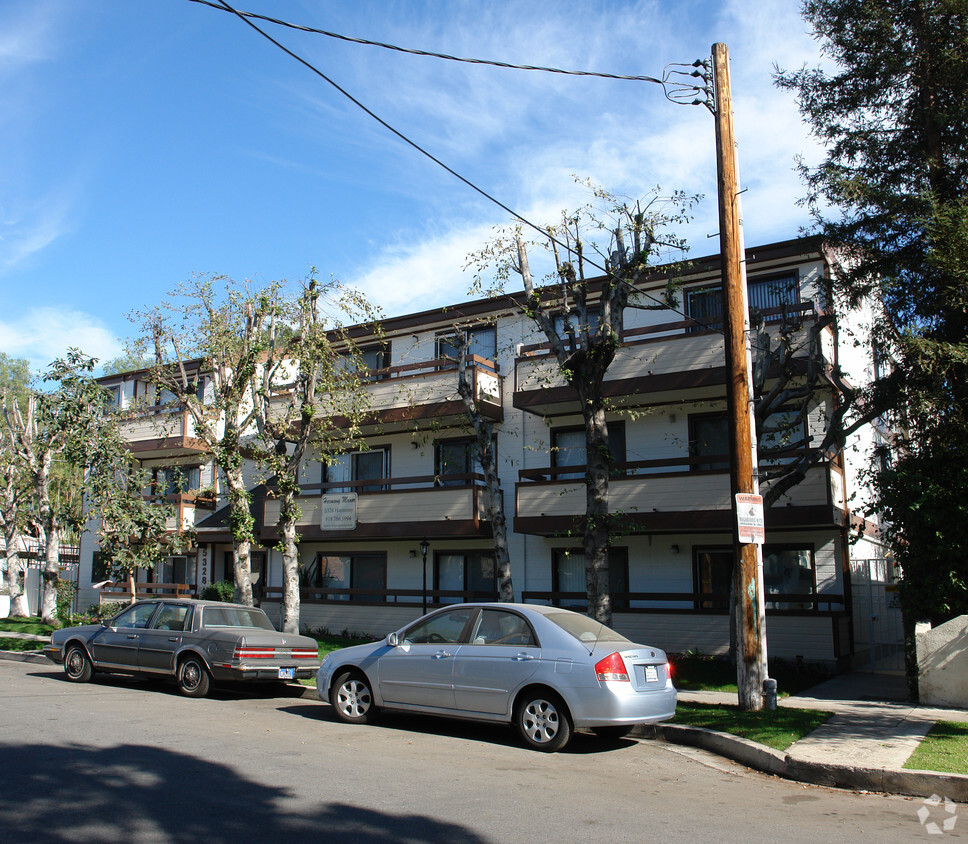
(14, 497)
(581, 317)
(209, 339)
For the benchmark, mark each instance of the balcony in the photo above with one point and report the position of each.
(653, 496)
(397, 508)
(420, 395)
(656, 363)
(161, 432)
(189, 508)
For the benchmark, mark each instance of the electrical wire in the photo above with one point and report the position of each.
(245, 17)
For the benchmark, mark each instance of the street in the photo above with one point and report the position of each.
(126, 760)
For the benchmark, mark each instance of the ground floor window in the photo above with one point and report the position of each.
(472, 571)
(568, 575)
(257, 567)
(349, 571)
(788, 571)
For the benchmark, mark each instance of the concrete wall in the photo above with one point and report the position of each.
(943, 663)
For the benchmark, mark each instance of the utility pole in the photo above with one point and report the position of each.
(747, 599)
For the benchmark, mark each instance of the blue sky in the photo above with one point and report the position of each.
(142, 141)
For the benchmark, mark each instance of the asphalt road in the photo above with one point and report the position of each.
(126, 760)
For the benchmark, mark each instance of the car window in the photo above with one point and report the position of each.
(444, 627)
(498, 627)
(136, 616)
(585, 629)
(171, 617)
(216, 617)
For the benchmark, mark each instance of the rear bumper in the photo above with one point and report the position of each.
(262, 672)
(624, 708)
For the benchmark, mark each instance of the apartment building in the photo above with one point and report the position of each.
(402, 525)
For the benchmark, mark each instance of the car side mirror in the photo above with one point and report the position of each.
(393, 640)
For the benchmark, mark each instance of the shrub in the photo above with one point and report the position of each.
(65, 600)
(96, 613)
(223, 590)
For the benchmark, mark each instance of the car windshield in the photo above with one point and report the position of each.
(214, 617)
(585, 629)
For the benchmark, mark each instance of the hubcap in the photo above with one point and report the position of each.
(75, 663)
(190, 675)
(354, 698)
(540, 721)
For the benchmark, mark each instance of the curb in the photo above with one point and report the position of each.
(778, 763)
(25, 656)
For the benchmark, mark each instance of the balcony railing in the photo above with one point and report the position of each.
(165, 429)
(667, 358)
(652, 493)
(421, 393)
(715, 603)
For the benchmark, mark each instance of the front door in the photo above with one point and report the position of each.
(160, 642)
(117, 646)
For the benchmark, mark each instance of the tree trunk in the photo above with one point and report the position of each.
(240, 517)
(495, 512)
(132, 586)
(597, 467)
(49, 574)
(290, 567)
(15, 574)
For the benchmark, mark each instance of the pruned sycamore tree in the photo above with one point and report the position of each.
(485, 452)
(600, 255)
(310, 393)
(209, 338)
(14, 499)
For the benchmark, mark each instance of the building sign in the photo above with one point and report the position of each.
(203, 565)
(338, 511)
(749, 518)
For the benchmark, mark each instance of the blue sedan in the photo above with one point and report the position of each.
(546, 670)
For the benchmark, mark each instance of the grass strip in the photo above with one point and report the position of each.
(776, 728)
(693, 674)
(25, 625)
(944, 749)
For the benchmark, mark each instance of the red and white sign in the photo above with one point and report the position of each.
(749, 518)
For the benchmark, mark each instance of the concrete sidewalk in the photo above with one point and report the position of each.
(863, 746)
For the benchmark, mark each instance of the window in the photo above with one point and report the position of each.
(136, 616)
(465, 572)
(709, 437)
(569, 325)
(568, 575)
(373, 464)
(713, 573)
(173, 480)
(500, 627)
(113, 398)
(568, 448)
(442, 628)
(171, 617)
(349, 571)
(367, 362)
(705, 304)
(782, 431)
(787, 571)
(455, 457)
(481, 341)
(100, 567)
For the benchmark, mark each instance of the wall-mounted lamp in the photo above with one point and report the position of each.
(674, 549)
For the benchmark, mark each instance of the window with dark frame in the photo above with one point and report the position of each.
(705, 304)
(465, 571)
(349, 571)
(481, 341)
(568, 575)
(373, 464)
(709, 437)
(568, 448)
(455, 457)
(787, 570)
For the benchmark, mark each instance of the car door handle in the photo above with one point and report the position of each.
(441, 655)
(132, 635)
(522, 657)
(173, 638)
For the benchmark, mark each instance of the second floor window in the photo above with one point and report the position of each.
(568, 448)
(481, 341)
(455, 457)
(705, 304)
(709, 437)
(373, 464)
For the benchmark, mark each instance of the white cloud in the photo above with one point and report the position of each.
(43, 334)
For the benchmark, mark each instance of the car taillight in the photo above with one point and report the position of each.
(305, 653)
(670, 669)
(242, 652)
(612, 668)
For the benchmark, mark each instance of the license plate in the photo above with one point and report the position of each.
(287, 673)
(651, 674)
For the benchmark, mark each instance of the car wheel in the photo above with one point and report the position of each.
(352, 698)
(542, 721)
(612, 733)
(193, 679)
(77, 665)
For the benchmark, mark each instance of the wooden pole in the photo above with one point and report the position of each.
(748, 568)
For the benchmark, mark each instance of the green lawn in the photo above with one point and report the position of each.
(709, 674)
(944, 749)
(25, 625)
(776, 728)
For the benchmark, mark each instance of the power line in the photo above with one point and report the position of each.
(223, 5)
(490, 62)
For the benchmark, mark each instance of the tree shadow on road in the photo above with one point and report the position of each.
(138, 793)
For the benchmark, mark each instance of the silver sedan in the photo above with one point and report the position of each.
(546, 670)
